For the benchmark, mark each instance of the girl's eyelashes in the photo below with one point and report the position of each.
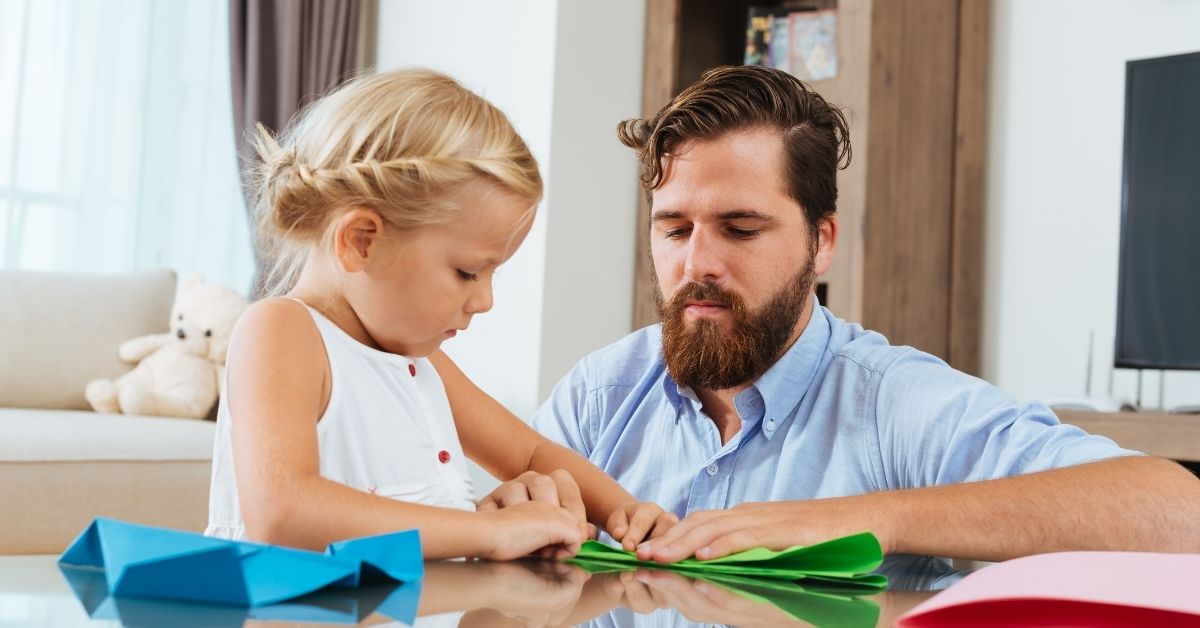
(466, 276)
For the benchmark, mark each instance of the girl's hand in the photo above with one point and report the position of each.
(523, 528)
(635, 522)
(557, 489)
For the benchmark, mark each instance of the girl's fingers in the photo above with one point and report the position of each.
(618, 523)
(665, 522)
(540, 488)
(640, 524)
(569, 496)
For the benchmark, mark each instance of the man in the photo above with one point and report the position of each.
(761, 419)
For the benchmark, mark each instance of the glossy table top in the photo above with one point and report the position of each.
(34, 591)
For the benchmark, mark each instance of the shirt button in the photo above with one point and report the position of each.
(770, 424)
(712, 469)
(443, 456)
(412, 370)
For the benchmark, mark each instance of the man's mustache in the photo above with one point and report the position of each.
(696, 291)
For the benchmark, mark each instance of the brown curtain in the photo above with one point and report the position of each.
(285, 54)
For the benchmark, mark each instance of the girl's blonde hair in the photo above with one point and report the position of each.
(396, 143)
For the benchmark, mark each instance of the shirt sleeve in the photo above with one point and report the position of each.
(564, 417)
(939, 426)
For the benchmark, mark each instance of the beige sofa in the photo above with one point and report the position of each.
(62, 464)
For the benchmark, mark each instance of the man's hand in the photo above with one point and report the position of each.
(635, 522)
(776, 525)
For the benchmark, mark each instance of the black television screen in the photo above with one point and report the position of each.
(1158, 297)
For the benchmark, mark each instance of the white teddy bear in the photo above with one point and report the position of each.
(178, 373)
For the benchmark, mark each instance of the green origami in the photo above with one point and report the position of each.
(817, 584)
(843, 562)
(827, 606)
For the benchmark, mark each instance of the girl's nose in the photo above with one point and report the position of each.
(482, 301)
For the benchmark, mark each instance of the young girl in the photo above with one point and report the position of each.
(392, 201)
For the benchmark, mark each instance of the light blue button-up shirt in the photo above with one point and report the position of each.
(841, 413)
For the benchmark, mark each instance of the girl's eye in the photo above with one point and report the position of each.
(466, 276)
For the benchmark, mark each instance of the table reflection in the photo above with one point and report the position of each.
(535, 593)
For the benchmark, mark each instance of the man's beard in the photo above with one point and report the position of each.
(706, 355)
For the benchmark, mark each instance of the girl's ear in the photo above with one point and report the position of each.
(355, 236)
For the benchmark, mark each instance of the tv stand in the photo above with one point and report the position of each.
(1093, 404)
(1167, 435)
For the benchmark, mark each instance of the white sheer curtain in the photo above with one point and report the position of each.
(116, 139)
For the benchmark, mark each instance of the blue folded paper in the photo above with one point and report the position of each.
(331, 605)
(152, 562)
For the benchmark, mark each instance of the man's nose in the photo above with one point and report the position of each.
(702, 263)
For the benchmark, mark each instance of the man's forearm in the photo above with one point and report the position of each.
(1135, 503)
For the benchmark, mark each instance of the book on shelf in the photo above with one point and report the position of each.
(812, 40)
(799, 39)
(758, 36)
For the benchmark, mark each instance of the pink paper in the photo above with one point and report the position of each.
(1112, 587)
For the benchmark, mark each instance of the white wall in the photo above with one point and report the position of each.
(1056, 108)
(503, 50)
(565, 73)
(593, 196)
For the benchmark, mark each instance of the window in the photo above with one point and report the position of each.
(116, 139)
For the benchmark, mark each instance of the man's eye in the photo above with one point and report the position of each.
(676, 234)
(744, 234)
(466, 276)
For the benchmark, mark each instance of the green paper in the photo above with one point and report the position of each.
(827, 604)
(849, 558)
(819, 608)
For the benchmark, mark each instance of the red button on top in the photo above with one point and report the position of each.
(412, 370)
(444, 456)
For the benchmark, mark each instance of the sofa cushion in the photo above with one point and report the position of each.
(61, 330)
(59, 469)
(63, 435)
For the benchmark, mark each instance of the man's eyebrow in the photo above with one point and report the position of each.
(744, 214)
(665, 215)
(737, 214)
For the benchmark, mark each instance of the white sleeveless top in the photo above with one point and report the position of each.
(387, 431)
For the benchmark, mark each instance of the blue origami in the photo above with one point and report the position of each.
(335, 605)
(142, 561)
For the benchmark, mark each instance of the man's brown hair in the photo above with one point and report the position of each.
(732, 98)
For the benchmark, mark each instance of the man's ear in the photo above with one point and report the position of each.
(827, 231)
(355, 236)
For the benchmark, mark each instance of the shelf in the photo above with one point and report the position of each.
(1174, 436)
(912, 81)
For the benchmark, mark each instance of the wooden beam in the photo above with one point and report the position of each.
(661, 74)
(909, 195)
(967, 237)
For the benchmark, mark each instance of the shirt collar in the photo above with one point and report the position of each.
(786, 382)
